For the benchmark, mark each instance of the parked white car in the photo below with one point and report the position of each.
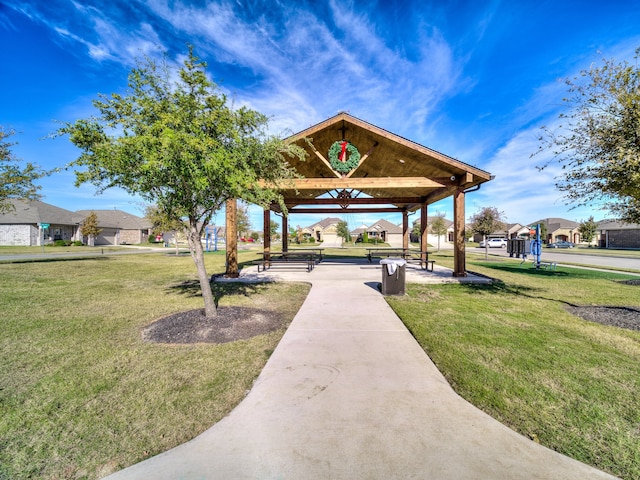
(495, 243)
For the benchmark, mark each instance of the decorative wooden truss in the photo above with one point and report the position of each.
(394, 175)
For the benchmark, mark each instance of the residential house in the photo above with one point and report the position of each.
(33, 223)
(615, 234)
(502, 233)
(559, 230)
(325, 231)
(516, 230)
(357, 232)
(386, 232)
(118, 227)
(432, 238)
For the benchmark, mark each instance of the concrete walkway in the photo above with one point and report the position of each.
(349, 394)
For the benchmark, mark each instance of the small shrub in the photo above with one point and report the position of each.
(77, 243)
(62, 243)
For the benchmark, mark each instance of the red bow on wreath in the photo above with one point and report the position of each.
(344, 150)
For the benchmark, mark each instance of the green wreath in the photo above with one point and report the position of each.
(351, 152)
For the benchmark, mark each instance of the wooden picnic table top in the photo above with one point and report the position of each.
(312, 253)
(403, 251)
(306, 249)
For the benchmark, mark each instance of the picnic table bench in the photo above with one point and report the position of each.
(409, 254)
(545, 265)
(299, 257)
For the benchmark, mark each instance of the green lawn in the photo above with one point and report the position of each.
(81, 395)
(514, 351)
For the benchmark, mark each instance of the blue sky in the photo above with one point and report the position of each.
(472, 79)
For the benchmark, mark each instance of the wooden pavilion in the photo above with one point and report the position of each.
(355, 167)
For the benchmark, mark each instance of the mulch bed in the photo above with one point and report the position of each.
(622, 317)
(231, 324)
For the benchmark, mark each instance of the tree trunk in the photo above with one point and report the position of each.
(197, 253)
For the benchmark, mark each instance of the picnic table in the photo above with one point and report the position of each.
(307, 258)
(411, 255)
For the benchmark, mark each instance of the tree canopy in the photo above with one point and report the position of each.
(176, 141)
(438, 226)
(89, 227)
(487, 221)
(342, 230)
(243, 222)
(588, 230)
(15, 181)
(598, 142)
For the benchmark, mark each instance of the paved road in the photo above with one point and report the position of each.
(559, 256)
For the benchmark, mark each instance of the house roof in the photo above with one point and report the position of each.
(448, 223)
(617, 225)
(325, 222)
(390, 166)
(554, 224)
(115, 219)
(383, 225)
(34, 212)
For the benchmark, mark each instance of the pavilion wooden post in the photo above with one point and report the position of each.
(267, 234)
(423, 230)
(285, 233)
(231, 238)
(459, 261)
(405, 229)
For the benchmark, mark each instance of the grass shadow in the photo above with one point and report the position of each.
(498, 287)
(523, 270)
(191, 289)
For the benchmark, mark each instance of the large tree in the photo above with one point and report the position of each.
(438, 226)
(175, 140)
(90, 229)
(243, 223)
(15, 181)
(161, 223)
(588, 230)
(487, 221)
(342, 231)
(274, 228)
(598, 143)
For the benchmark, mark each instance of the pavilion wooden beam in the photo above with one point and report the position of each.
(405, 229)
(324, 160)
(339, 211)
(285, 233)
(363, 159)
(266, 236)
(424, 229)
(459, 259)
(231, 238)
(353, 201)
(439, 194)
(364, 183)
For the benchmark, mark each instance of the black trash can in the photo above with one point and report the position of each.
(393, 275)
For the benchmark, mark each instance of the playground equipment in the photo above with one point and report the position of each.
(208, 240)
(536, 247)
(518, 246)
